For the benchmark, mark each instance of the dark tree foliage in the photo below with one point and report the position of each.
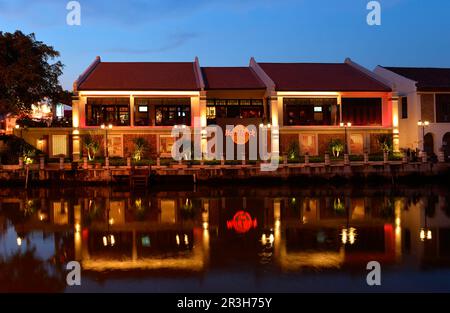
(26, 74)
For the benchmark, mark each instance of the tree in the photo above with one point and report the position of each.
(26, 76)
(91, 145)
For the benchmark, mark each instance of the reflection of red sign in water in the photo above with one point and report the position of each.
(242, 222)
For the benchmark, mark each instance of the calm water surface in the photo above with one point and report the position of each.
(216, 239)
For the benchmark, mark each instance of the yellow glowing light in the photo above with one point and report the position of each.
(113, 240)
(277, 224)
(19, 241)
(422, 234)
(105, 241)
(77, 227)
(429, 235)
(177, 238)
(205, 225)
(138, 93)
(111, 221)
(352, 235)
(263, 239)
(186, 239)
(271, 238)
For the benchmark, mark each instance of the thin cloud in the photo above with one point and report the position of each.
(173, 42)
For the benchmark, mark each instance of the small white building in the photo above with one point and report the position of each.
(424, 98)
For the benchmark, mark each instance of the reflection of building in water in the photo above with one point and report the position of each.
(175, 231)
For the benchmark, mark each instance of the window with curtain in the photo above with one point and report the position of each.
(362, 111)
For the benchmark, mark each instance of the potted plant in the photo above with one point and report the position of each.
(336, 147)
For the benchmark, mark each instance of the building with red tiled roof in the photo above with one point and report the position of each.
(304, 105)
(424, 109)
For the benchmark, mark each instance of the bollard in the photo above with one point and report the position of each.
(42, 163)
(346, 159)
(85, 163)
(21, 163)
(327, 159)
(61, 163)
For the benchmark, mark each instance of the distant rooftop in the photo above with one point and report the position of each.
(427, 78)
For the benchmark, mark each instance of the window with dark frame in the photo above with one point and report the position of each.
(108, 110)
(443, 108)
(162, 111)
(404, 107)
(233, 108)
(309, 111)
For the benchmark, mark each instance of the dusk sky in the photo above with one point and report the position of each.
(229, 32)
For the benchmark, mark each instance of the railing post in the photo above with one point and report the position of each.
(158, 161)
(385, 157)
(424, 157)
(85, 163)
(107, 162)
(243, 158)
(128, 162)
(307, 159)
(327, 159)
(346, 159)
(285, 159)
(366, 158)
(42, 163)
(441, 157)
(61, 163)
(222, 160)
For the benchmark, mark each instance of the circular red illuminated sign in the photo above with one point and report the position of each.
(242, 222)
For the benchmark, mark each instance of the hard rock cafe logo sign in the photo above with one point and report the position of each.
(240, 134)
(242, 222)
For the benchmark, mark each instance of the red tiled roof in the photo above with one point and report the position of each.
(231, 78)
(141, 76)
(320, 77)
(428, 79)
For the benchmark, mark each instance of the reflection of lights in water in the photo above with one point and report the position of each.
(277, 224)
(109, 239)
(348, 235)
(19, 241)
(177, 238)
(425, 234)
(267, 240)
(77, 227)
(205, 225)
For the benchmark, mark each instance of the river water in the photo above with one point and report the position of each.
(226, 238)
